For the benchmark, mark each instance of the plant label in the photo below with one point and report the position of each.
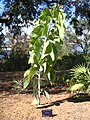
(47, 113)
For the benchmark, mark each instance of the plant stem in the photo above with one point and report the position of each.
(39, 88)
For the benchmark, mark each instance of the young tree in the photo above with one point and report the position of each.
(47, 38)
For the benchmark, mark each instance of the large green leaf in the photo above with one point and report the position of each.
(46, 43)
(33, 39)
(55, 51)
(61, 31)
(45, 66)
(77, 87)
(37, 49)
(32, 57)
(52, 55)
(55, 12)
(37, 30)
(61, 17)
(26, 73)
(35, 87)
(44, 30)
(29, 77)
(45, 12)
(48, 59)
(48, 48)
(45, 93)
(51, 76)
(26, 83)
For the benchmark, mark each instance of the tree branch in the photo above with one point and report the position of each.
(5, 19)
(61, 2)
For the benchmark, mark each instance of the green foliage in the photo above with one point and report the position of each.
(15, 62)
(29, 75)
(47, 38)
(45, 93)
(62, 79)
(80, 78)
(76, 87)
(18, 85)
(78, 71)
(19, 13)
(69, 61)
(81, 27)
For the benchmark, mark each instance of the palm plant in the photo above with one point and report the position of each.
(80, 78)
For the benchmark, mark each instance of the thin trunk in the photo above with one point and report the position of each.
(85, 47)
(39, 88)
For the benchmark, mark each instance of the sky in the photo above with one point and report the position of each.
(1, 6)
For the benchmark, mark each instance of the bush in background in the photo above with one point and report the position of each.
(68, 62)
(16, 62)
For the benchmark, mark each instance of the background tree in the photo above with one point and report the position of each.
(79, 39)
(1, 36)
(18, 14)
(19, 43)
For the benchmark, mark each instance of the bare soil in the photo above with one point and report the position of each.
(64, 105)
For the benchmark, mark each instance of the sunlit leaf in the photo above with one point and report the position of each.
(26, 83)
(76, 87)
(52, 55)
(37, 49)
(61, 31)
(35, 88)
(45, 12)
(29, 77)
(45, 46)
(44, 30)
(32, 56)
(48, 75)
(45, 93)
(45, 66)
(41, 69)
(26, 73)
(48, 48)
(37, 30)
(88, 88)
(55, 12)
(33, 38)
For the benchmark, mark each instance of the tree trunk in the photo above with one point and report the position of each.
(38, 88)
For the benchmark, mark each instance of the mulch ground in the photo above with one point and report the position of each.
(64, 106)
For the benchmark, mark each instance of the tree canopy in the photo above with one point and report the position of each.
(20, 13)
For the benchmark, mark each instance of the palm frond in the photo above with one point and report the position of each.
(78, 70)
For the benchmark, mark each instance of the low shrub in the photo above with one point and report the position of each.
(16, 62)
(68, 62)
(80, 78)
